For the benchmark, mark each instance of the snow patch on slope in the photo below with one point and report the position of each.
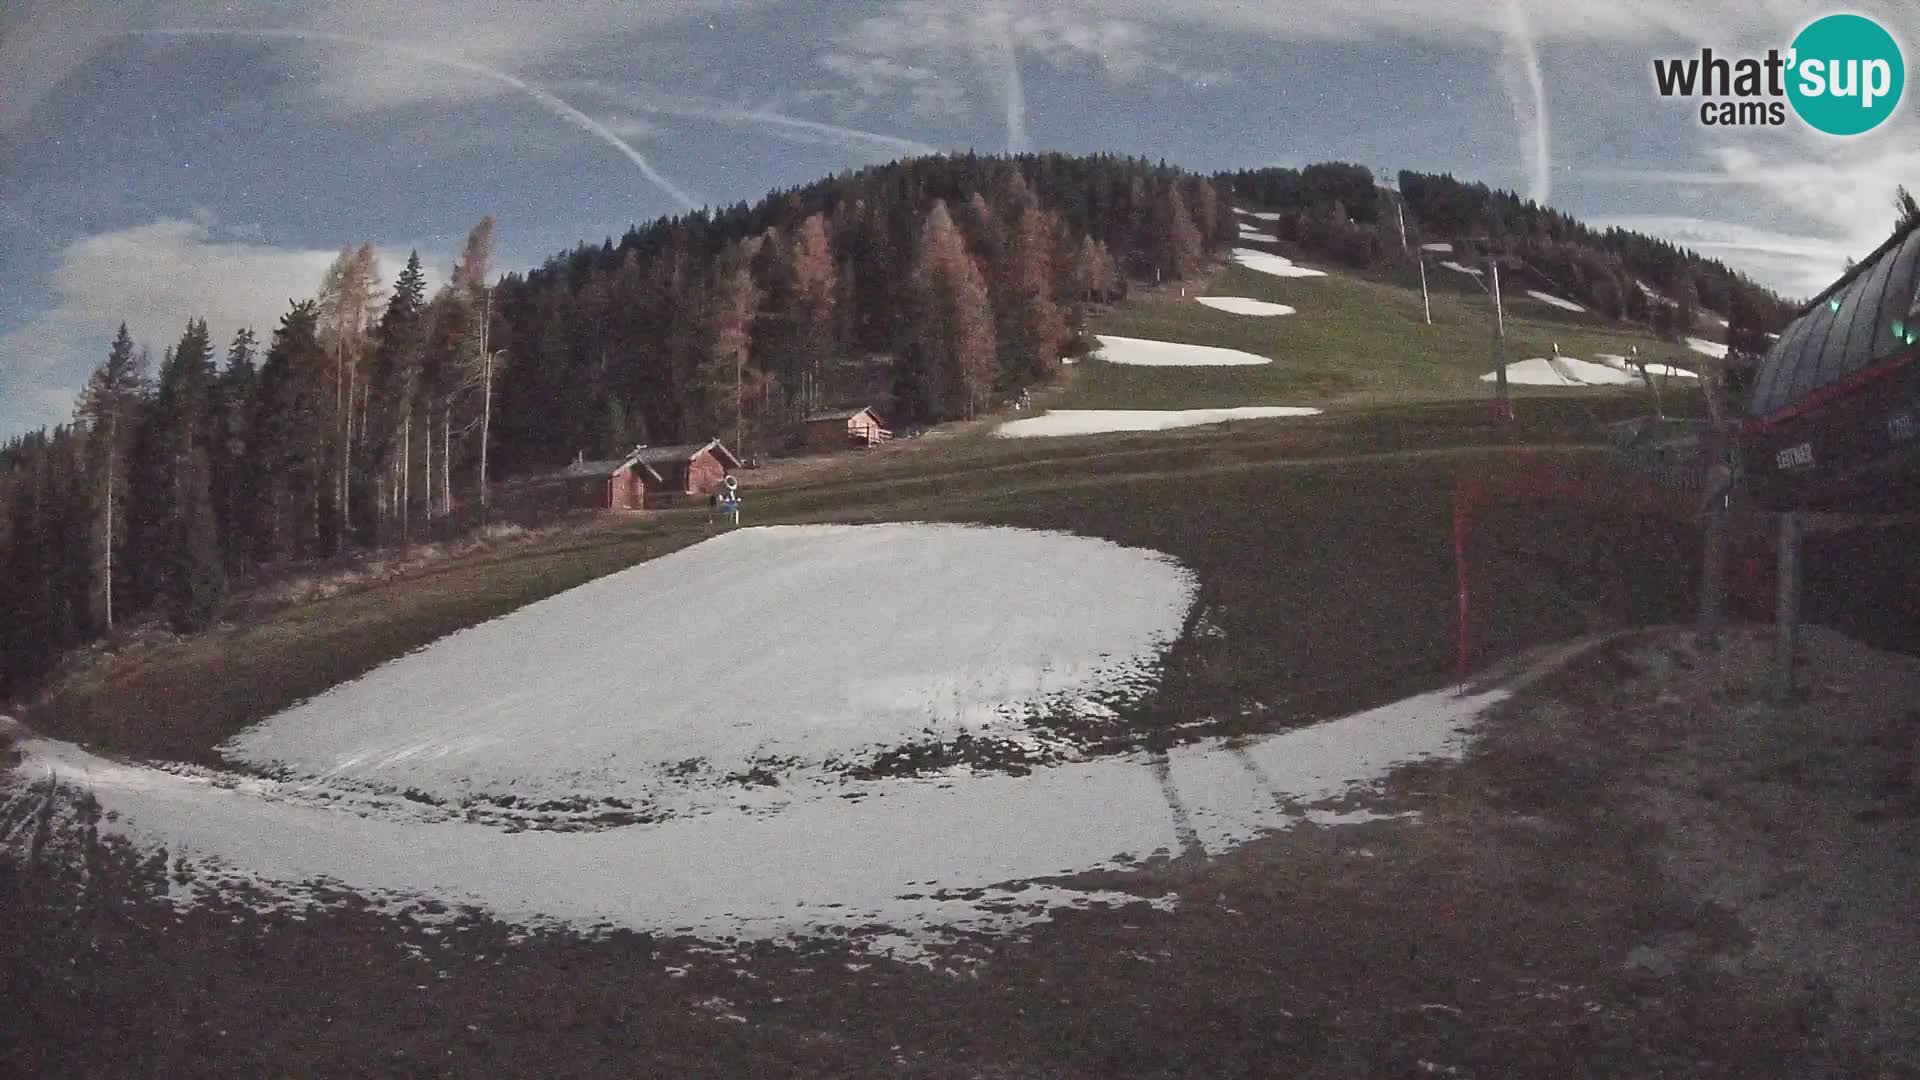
(1147, 352)
(1096, 421)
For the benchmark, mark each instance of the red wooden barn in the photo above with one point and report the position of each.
(686, 469)
(612, 484)
(647, 476)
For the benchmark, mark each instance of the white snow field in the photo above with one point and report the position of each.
(1244, 305)
(921, 858)
(1247, 233)
(1263, 215)
(1560, 302)
(1458, 268)
(1268, 263)
(1096, 421)
(1707, 348)
(1146, 352)
(767, 648)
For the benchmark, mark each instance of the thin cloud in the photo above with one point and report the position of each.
(154, 277)
(544, 98)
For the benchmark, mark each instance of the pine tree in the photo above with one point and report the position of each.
(399, 339)
(1176, 243)
(727, 386)
(108, 407)
(196, 579)
(288, 437)
(348, 295)
(233, 420)
(474, 357)
(1030, 328)
(946, 370)
(813, 282)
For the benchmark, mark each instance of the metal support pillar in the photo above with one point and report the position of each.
(1713, 575)
(1786, 618)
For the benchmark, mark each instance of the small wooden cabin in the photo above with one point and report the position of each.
(686, 469)
(611, 484)
(830, 431)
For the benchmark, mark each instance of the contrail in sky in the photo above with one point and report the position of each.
(1522, 47)
(1016, 91)
(698, 109)
(544, 98)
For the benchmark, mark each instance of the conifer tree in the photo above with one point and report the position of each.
(946, 370)
(108, 407)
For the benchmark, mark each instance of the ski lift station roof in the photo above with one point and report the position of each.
(1831, 420)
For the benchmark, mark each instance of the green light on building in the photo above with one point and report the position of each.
(1899, 330)
(1834, 303)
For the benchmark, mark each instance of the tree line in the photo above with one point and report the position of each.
(372, 418)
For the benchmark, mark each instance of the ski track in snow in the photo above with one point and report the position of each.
(1095, 421)
(926, 859)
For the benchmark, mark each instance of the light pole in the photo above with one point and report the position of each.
(1426, 305)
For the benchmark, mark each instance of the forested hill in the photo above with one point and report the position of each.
(930, 288)
(614, 344)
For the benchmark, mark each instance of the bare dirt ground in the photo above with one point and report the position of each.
(1641, 870)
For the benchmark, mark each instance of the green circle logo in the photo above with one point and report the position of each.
(1846, 74)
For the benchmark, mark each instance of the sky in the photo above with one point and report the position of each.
(168, 159)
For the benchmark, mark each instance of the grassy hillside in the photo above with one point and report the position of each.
(1353, 338)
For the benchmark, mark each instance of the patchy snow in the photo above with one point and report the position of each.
(1707, 348)
(1564, 371)
(1257, 236)
(763, 653)
(1268, 263)
(1653, 294)
(1146, 352)
(1095, 421)
(1569, 371)
(1459, 268)
(1244, 305)
(1671, 372)
(923, 857)
(1615, 360)
(1559, 302)
(1263, 215)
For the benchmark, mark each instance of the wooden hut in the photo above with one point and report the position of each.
(610, 484)
(830, 431)
(686, 469)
